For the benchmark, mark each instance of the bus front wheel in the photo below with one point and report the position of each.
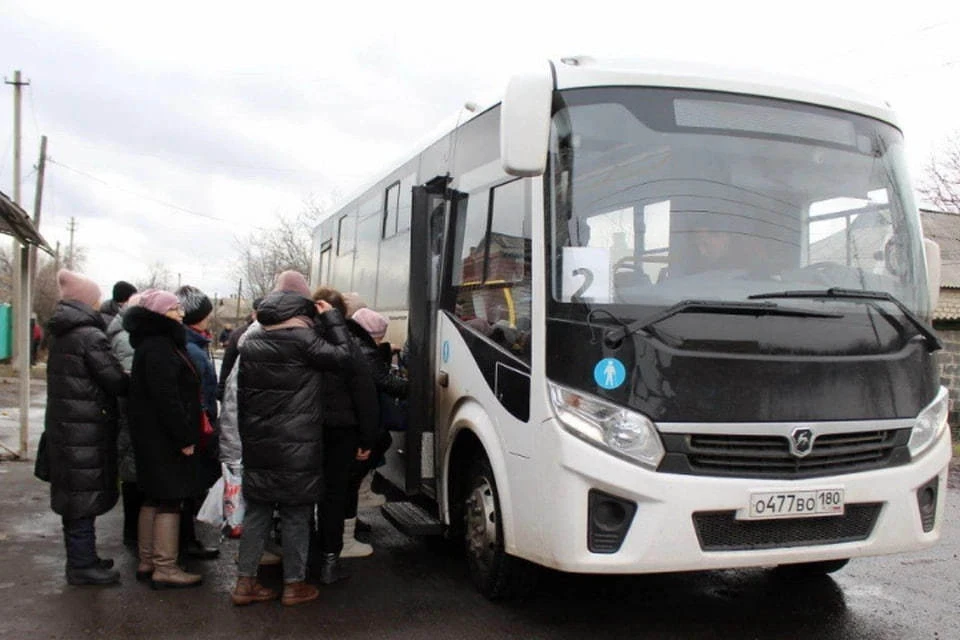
(495, 573)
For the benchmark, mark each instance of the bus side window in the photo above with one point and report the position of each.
(495, 293)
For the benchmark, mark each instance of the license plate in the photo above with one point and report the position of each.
(795, 504)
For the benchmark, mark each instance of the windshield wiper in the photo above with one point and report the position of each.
(870, 298)
(614, 337)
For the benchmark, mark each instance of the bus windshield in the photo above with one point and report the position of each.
(662, 195)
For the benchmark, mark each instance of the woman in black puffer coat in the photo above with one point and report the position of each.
(165, 425)
(83, 381)
(280, 384)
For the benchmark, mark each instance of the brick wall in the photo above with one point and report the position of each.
(949, 362)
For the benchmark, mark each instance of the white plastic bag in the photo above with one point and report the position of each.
(211, 511)
(233, 506)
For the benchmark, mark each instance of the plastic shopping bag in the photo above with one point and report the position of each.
(234, 507)
(211, 511)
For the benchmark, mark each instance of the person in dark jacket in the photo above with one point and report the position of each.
(197, 310)
(350, 430)
(391, 386)
(280, 424)
(165, 424)
(83, 382)
(121, 294)
(231, 350)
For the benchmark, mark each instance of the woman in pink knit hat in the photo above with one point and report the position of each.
(165, 427)
(83, 382)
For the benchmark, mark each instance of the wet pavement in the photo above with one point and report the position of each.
(419, 589)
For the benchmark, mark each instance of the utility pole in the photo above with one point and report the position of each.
(239, 291)
(68, 259)
(18, 318)
(37, 202)
(20, 342)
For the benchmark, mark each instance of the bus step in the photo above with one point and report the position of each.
(411, 519)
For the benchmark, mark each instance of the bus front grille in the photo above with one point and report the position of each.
(769, 456)
(721, 531)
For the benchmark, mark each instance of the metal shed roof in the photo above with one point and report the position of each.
(14, 221)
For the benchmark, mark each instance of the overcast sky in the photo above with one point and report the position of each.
(176, 127)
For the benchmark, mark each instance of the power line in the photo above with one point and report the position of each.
(134, 193)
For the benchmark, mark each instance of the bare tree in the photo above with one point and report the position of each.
(45, 290)
(6, 272)
(158, 277)
(940, 184)
(267, 252)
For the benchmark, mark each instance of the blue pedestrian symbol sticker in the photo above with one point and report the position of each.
(445, 351)
(609, 373)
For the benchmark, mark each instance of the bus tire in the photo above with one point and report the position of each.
(810, 569)
(496, 574)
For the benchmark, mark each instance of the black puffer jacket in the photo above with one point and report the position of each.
(83, 381)
(350, 399)
(164, 407)
(279, 390)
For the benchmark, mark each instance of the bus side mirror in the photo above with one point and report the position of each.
(932, 252)
(525, 123)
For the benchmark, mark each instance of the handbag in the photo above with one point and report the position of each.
(206, 431)
(41, 466)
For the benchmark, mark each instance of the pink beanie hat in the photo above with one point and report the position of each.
(158, 301)
(74, 286)
(373, 322)
(292, 282)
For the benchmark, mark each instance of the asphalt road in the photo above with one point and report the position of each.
(417, 589)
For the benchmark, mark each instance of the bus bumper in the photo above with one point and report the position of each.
(662, 535)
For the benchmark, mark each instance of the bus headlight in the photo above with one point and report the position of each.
(607, 425)
(930, 424)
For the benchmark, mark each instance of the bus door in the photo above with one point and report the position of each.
(428, 229)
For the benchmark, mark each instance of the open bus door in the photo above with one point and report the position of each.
(428, 229)
(427, 233)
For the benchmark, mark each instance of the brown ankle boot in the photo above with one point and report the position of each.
(248, 591)
(166, 538)
(298, 592)
(145, 542)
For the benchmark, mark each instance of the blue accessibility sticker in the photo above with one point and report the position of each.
(445, 351)
(609, 373)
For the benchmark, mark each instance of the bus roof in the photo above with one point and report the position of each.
(584, 71)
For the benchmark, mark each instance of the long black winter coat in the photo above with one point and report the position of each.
(279, 391)
(164, 408)
(83, 381)
(350, 399)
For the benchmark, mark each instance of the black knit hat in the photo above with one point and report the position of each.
(196, 304)
(122, 291)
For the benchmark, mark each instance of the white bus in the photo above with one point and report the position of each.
(660, 318)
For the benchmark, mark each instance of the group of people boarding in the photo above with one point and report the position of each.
(133, 396)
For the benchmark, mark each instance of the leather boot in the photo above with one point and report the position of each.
(298, 593)
(366, 498)
(145, 542)
(353, 548)
(166, 538)
(330, 570)
(248, 591)
(92, 575)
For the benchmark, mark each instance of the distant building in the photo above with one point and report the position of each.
(944, 229)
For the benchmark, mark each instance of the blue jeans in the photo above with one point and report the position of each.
(80, 539)
(295, 534)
